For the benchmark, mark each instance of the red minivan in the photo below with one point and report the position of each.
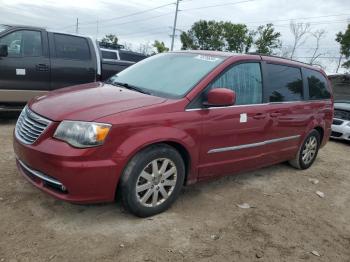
(172, 120)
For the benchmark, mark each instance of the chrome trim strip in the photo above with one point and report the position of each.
(234, 148)
(39, 174)
(248, 105)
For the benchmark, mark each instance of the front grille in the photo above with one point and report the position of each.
(336, 134)
(337, 122)
(342, 114)
(30, 126)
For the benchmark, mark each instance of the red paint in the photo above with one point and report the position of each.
(139, 120)
(221, 97)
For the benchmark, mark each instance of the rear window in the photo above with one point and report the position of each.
(317, 85)
(109, 55)
(71, 47)
(284, 83)
(131, 57)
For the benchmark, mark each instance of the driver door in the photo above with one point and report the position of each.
(233, 136)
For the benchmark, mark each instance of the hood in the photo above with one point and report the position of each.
(342, 105)
(89, 102)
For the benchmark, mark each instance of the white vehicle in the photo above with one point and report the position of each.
(341, 119)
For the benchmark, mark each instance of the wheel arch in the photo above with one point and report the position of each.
(180, 141)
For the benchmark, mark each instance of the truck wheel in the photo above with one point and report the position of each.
(152, 180)
(307, 152)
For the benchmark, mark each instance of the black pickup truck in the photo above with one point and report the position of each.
(34, 61)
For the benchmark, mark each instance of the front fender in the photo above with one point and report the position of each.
(140, 140)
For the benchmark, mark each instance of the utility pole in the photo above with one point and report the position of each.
(174, 27)
(77, 26)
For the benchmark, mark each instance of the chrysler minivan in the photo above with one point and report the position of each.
(171, 120)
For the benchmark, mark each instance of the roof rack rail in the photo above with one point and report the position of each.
(275, 56)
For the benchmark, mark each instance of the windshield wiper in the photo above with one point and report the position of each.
(131, 87)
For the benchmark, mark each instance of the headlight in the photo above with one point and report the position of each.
(82, 134)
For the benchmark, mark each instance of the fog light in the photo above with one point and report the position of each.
(63, 188)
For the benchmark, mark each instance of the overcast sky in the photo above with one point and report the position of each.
(118, 17)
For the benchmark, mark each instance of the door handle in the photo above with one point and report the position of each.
(259, 116)
(275, 114)
(42, 68)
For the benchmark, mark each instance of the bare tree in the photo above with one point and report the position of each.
(318, 35)
(145, 48)
(299, 31)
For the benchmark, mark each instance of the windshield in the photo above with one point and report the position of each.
(3, 28)
(168, 75)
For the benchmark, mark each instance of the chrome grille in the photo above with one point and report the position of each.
(30, 126)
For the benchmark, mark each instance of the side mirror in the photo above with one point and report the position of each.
(220, 97)
(3, 51)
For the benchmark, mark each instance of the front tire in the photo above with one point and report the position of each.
(152, 180)
(307, 152)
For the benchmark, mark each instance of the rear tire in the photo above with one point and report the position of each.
(307, 152)
(152, 180)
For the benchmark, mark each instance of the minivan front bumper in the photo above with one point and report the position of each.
(67, 173)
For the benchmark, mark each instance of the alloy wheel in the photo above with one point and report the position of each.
(309, 150)
(156, 182)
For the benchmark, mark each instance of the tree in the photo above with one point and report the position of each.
(110, 39)
(221, 36)
(344, 40)
(318, 35)
(238, 38)
(267, 39)
(299, 31)
(160, 46)
(204, 35)
(145, 48)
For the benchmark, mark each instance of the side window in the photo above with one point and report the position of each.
(23, 43)
(317, 85)
(109, 55)
(71, 47)
(245, 79)
(284, 83)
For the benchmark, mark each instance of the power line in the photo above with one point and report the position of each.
(122, 17)
(217, 5)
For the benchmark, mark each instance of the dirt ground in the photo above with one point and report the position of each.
(288, 221)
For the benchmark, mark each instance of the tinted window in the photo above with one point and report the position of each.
(284, 83)
(130, 56)
(245, 80)
(23, 43)
(109, 55)
(317, 85)
(71, 47)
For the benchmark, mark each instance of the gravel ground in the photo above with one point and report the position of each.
(287, 222)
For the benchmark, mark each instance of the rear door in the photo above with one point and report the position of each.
(73, 60)
(25, 72)
(233, 135)
(288, 113)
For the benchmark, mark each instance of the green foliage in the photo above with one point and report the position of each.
(204, 35)
(267, 39)
(238, 38)
(110, 39)
(344, 40)
(226, 36)
(160, 46)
